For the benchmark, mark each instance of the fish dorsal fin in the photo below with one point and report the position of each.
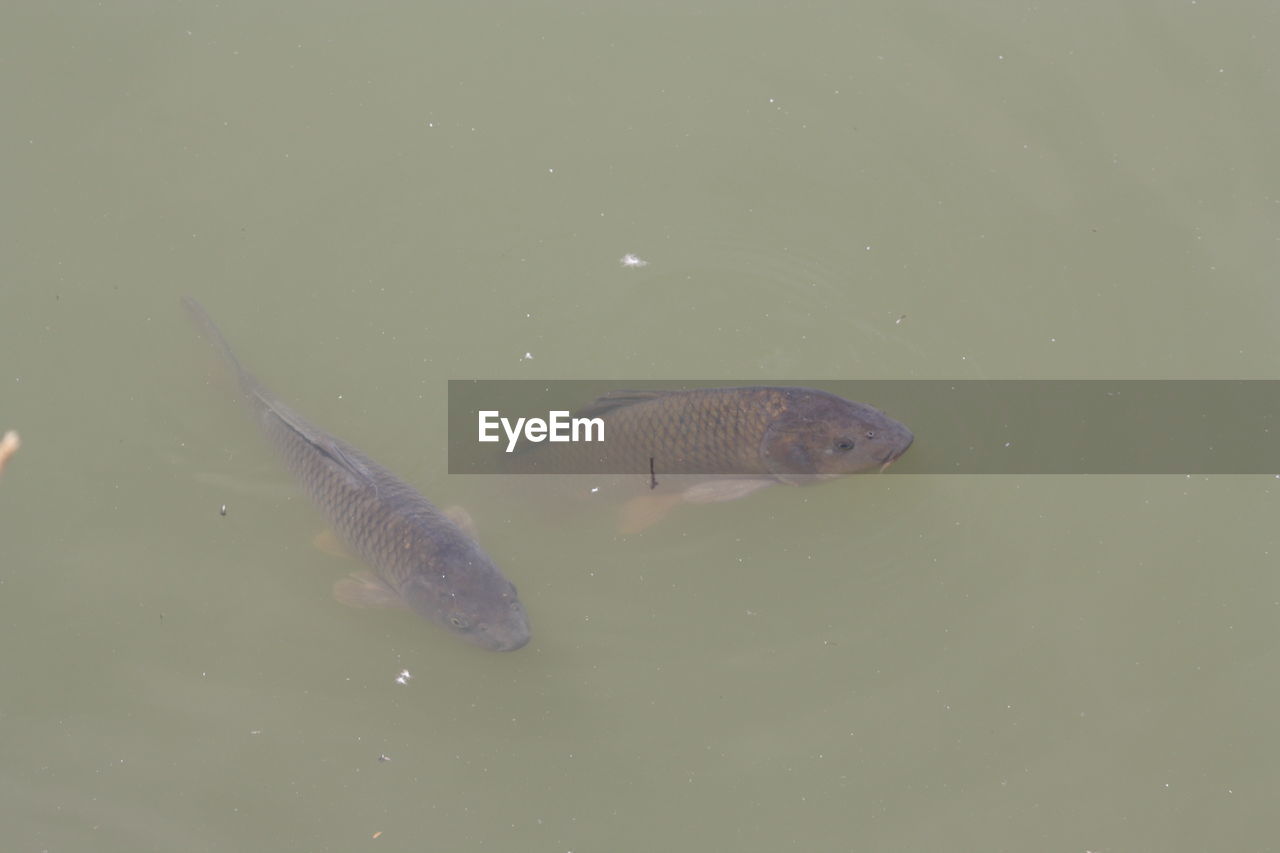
(606, 403)
(322, 442)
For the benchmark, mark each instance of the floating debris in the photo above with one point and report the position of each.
(8, 446)
(384, 757)
(223, 511)
(403, 677)
(631, 261)
(898, 322)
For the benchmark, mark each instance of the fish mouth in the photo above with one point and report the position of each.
(499, 638)
(894, 455)
(510, 644)
(507, 637)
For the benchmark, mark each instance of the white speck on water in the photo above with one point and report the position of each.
(527, 357)
(403, 677)
(632, 261)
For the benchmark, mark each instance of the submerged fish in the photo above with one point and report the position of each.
(420, 558)
(718, 444)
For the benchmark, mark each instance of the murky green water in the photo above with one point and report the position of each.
(372, 202)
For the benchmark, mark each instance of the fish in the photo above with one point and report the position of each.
(421, 558)
(720, 444)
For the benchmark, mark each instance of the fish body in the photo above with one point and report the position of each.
(706, 445)
(419, 557)
(780, 433)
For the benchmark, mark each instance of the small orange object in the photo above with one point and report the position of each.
(376, 834)
(8, 446)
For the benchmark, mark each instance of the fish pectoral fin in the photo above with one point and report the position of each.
(718, 491)
(643, 512)
(463, 519)
(327, 542)
(364, 589)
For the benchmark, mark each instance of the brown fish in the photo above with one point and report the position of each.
(420, 558)
(717, 444)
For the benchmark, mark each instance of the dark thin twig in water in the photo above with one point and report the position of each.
(653, 479)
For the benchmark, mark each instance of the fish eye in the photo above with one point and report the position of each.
(871, 433)
(844, 445)
(458, 621)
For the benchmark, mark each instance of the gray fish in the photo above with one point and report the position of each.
(420, 558)
(777, 433)
(706, 445)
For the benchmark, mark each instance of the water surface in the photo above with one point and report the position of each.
(373, 206)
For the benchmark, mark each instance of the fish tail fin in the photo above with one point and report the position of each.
(249, 386)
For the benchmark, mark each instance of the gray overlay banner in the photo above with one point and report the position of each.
(964, 426)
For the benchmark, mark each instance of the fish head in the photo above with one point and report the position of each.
(819, 435)
(475, 602)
